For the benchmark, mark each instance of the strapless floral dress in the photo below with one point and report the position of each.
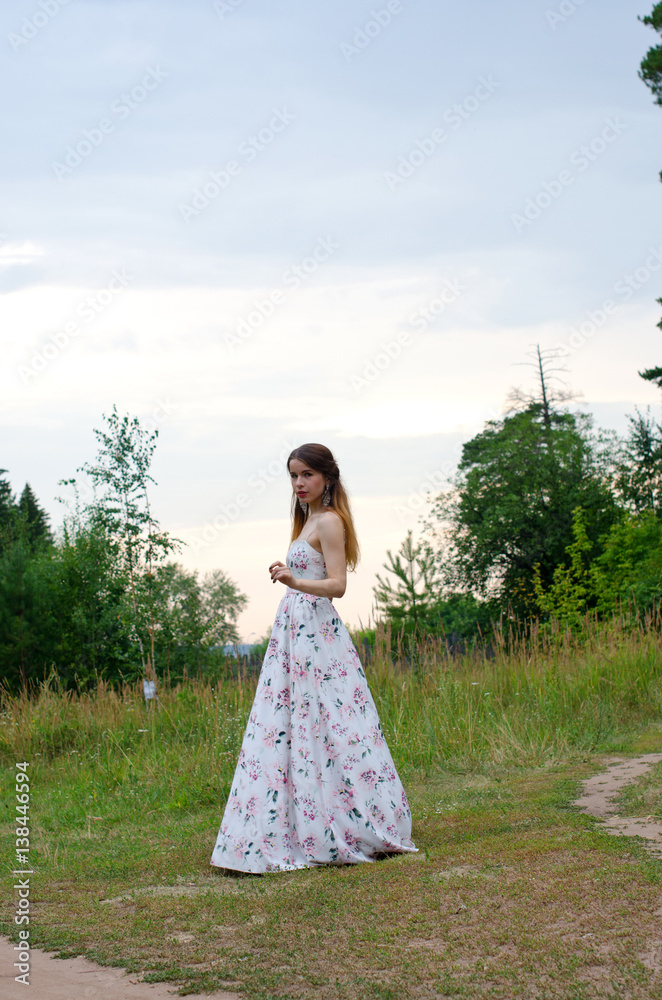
(315, 782)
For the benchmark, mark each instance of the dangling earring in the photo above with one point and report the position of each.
(304, 506)
(326, 497)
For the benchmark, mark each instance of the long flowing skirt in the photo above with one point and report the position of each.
(315, 782)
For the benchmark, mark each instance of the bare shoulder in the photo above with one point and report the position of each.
(330, 527)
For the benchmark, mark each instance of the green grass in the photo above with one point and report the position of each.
(514, 893)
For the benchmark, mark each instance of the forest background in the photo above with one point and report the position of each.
(547, 521)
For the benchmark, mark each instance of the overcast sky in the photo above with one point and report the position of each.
(255, 224)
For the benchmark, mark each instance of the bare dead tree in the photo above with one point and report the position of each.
(546, 393)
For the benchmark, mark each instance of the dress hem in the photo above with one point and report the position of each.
(275, 870)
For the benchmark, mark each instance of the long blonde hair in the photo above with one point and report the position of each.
(320, 459)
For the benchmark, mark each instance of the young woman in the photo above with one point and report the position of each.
(315, 783)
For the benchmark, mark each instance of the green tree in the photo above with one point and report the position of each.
(84, 607)
(653, 375)
(461, 617)
(650, 70)
(34, 519)
(639, 477)
(629, 568)
(18, 618)
(222, 603)
(99, 599)
(511, 504)
(179, 630)
(121, 477)
(192, 616)
(24, 532)
(7, 511)
(406, 600)
(568, 596)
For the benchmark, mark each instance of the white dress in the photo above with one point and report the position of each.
(315, 782)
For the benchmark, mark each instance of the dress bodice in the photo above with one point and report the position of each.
(305, 562)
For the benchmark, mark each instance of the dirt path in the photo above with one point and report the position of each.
(78, 979)
(601, 789)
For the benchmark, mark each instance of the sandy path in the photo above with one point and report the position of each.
(600, 790)
(78, 979)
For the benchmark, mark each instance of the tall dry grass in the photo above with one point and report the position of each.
(522, 700)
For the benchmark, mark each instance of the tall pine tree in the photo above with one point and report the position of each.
(33, 519)
(7, 511)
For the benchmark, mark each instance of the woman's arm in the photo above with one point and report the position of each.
(331, 534)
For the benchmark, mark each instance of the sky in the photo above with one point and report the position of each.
(256, 224)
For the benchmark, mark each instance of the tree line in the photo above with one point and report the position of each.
(546, 518)
(101, 597)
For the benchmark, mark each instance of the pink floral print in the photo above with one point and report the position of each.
(315, 782)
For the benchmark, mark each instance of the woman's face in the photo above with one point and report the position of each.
(306, 483)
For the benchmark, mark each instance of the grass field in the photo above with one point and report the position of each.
(513, 894)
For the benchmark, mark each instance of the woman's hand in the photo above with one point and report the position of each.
(281, 573)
